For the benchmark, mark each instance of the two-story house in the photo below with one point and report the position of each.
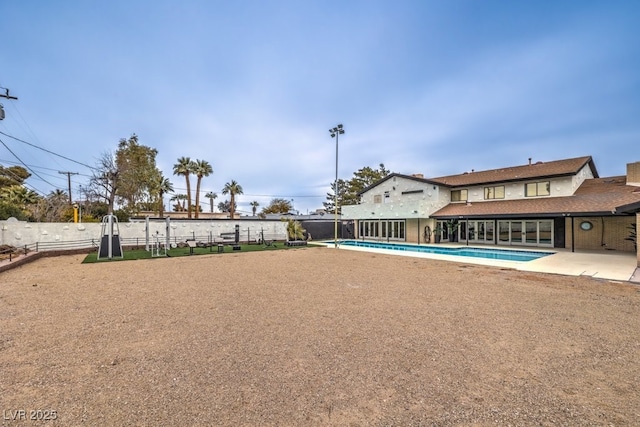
(558, 204)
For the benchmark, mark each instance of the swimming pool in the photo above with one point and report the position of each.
(466, 251)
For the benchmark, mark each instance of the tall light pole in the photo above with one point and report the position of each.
(335, 132)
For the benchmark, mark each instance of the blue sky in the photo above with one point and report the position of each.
(432, 87)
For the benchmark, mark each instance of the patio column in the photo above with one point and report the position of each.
(637, 245)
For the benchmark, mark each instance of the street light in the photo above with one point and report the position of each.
(335, 132)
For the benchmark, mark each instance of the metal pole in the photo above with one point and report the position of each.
(467, 231)
(573, 249)
(335, 201)
(146, 233)
(335, 132)
(110, 243)
(167, 228)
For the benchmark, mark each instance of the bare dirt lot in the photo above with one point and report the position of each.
(314, 336)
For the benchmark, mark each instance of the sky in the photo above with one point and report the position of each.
(253, 87)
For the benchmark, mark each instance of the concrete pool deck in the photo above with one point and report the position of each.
(617, 266)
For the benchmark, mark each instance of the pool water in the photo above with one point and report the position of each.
(466, 251)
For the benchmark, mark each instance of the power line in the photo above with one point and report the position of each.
(19, 179)
(30, 170)
(39, 167)
(47, 151)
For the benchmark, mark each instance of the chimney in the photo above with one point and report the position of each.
(633, 174)
(529, 161)
(417, 175)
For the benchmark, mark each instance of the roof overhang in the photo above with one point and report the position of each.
(631, 208)
(487, 215)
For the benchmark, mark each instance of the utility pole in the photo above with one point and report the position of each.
(5, 95)
(69, 180)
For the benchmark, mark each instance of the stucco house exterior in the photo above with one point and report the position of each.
(556, 204)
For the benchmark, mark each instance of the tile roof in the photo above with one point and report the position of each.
(519, 173)
(596, 196)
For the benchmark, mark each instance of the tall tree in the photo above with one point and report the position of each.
(13, 175)
(329, 205)
(232, 188)
(127, 175)
(201, 168)
(211, 196)
(184, 167)
(348, 190)
(136, 164)
(254, 207)
(277, 206)
(164, 186)
(105, 180)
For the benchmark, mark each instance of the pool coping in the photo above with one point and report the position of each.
(618, 266)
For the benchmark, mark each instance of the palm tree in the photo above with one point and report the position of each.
(185, 167)
(19, 196)
(211, 196)
(58, 195)
(201, 168)
(179, 199)
(254, 207)
(164, 186)
(232, 188)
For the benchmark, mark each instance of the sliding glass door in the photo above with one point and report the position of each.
(526, 233)
(382, 229)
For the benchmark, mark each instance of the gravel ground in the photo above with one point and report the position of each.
(314, 336)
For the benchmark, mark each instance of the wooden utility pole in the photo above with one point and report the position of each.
(69, 180)
(5, 95)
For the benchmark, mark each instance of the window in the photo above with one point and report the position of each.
(496, 192)
(377, 198)
(387, 197)
(534, 189)
(459, 195)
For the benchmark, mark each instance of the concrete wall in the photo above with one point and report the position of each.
(414, 229)
(21, 233)
(607, 233)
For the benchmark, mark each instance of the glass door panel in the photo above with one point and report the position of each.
(481, 231)
(545, 229)
(489, 231)
(531, 232)
(472, 230)
(516, 232)
(503, 232)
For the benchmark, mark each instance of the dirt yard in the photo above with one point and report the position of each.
(313, 336)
